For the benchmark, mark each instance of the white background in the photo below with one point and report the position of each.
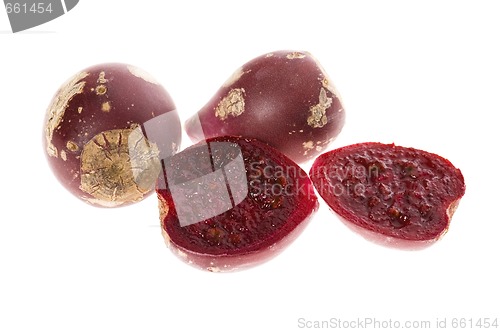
(418, 73)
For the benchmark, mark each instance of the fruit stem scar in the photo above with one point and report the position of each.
(119, 166)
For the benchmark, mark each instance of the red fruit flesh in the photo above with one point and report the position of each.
(230, 203)
(283, 98)
(397, 196)
(106, 130)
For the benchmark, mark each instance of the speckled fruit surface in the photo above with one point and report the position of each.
(106, 130)
(230, 203)
(283, 98)
(399, 195)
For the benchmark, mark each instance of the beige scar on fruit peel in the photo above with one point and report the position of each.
(138, 72)
(119, 166)
(232, 104)
(163, 208)
(106, 106)
(295, 55)
(58, 106)
(327, 84)
(308, 146)
(317, 117)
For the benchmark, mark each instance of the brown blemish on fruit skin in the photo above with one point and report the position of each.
(58, 107)
(317, 118)
(102, 79)
(106, 106)
(72, 146)
(295, 55)
(119, 166)
(232, 104)
(308, 146)
(139, 73)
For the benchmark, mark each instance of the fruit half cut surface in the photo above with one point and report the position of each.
(229, 203)
(396, 196)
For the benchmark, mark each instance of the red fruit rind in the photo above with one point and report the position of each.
(395, 196)
(249, 203)
(232, 263)
(283, 98)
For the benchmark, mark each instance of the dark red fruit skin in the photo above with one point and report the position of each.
(395, 196)
(283, 98)
(256, 227)
(102, 102)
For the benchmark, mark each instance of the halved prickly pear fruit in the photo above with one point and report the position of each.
(229, 203)
(393, 195)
